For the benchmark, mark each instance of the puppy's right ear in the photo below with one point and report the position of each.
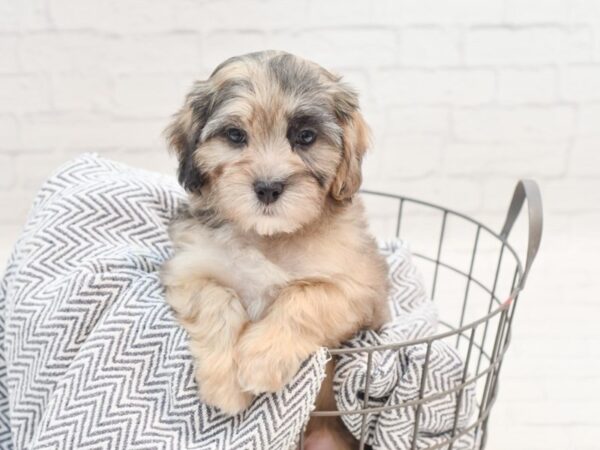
(183, 135)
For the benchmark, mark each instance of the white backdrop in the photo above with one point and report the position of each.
(463, 96)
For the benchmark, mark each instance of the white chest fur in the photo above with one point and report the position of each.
(220, 255)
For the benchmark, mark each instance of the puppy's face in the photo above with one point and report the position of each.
(270, 138)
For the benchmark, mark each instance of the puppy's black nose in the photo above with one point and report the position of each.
(268, 191)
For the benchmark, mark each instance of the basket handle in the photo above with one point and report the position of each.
(530, 191)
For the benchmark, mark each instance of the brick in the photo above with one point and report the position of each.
(338, 12)
(9, 130)
(528, 46)
(519, 159)
(520, 390)
(34, 16)
(23, 93)
(157, 160)
(341, 48)
(542, 414)
(417, 86)
(131, 16)
(584, 433)
(588, 123)
(14, 205)
(8, 49)
(410, 156)
(518, 86)
(150, 95)
(433, 12)
(536, 11)
(157, 53)
(580, 83)
(78, 15)
(90, 53)
(583, 11)
(9, 16)
(458, 193)
(359, 81)
(374, 117)
(585, 157)
(8, 236)
(432, 46)
(82, 92)
(577, 348)
(597, 46)
(33, 169)
(31, 15)
(387, 13)
(499, 124)
(222, 45)
(90, 132)
(56, 52)
(572, 195)
(584, 390)
(7, 171)
(418, 120)
(239, 14)
(569, 367)
(517, 436)
(371, 167)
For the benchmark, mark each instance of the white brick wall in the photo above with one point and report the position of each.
(455, 90)
(463, 96)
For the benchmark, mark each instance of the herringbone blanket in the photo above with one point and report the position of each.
(91, 357)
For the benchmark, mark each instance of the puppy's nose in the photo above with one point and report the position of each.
(268, 191)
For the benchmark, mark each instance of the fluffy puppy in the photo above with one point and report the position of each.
(272, 257)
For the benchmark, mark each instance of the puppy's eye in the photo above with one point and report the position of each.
(235, 135)
(306, 137)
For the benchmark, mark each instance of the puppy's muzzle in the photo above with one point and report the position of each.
(268, 191)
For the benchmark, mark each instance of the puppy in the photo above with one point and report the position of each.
(272, 257)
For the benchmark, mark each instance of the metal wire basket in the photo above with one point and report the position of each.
(476, 277)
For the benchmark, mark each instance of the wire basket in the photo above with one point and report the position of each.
(477, 277)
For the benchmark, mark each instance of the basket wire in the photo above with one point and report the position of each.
(485, 337)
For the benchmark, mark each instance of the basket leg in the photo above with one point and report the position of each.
(505, 338)
(487, 398)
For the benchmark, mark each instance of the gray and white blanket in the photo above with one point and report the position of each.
(91, 357)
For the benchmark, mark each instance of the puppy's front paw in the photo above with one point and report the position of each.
(266, 361)
(221, 389)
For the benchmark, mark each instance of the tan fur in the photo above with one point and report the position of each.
(356, 142)
(260, 288)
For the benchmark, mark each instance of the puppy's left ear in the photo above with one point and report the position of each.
(355, 141)
(183, 135)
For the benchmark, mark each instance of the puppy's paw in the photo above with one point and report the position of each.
(266, 361)
(223, 391)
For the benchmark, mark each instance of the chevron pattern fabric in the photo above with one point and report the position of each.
(91, 357)
(396, 374)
